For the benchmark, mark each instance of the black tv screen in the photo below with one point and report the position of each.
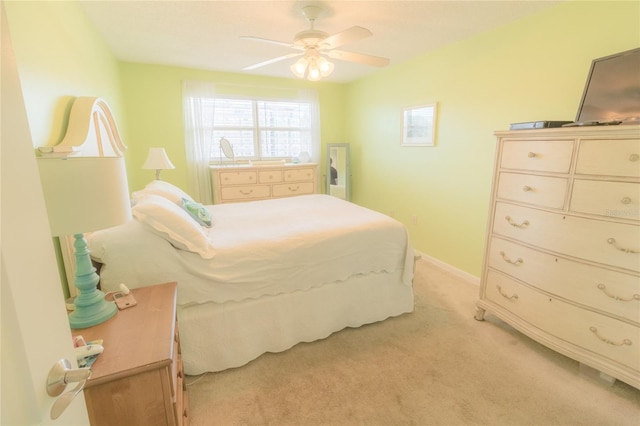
(612, 92)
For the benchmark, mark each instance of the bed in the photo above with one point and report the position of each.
(261, 276)
(252, 277)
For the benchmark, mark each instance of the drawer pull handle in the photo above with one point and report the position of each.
(518, 261)
(634, 157)
(506, 296)
(626, 200)
(613, 296)
(531, 155)
(624, 342)
(249, 192)
(612, 241)
(521, 225)
(294, 189)
(527, 188)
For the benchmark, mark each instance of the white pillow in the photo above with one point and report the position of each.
(172, 223)
(163, 189)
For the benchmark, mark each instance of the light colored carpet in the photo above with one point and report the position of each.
(435, 366)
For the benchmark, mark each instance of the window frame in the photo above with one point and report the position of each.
(257, 130)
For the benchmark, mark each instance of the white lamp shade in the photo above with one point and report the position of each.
(157, 160)
(84, 194)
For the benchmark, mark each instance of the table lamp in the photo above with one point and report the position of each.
(85, 194)
(157, 160)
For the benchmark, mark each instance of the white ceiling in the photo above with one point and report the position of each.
(206, 34)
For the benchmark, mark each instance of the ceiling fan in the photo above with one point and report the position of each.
(313, 45)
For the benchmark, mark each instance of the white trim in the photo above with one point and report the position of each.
(68, 259)
(459, 273)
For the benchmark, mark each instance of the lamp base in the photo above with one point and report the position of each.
(91, 307)
(93, 314)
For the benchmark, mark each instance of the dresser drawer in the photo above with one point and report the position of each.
(247, 183)
(296, 175)
(294, 188)
(537, 190)
(237, 178)
(604, 198)
(542, 156)
(609, 157)
(607, 336)
(270, 176)
(600, 241)
(240, 193)
(602, 289)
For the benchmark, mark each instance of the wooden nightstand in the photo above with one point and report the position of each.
(138, 379)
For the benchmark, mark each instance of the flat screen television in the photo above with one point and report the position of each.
(612, 92)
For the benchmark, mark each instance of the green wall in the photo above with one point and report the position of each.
(60, 56)
(532, 69)
(153, 107)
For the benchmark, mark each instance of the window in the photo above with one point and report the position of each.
(260, 122)
(258, 128)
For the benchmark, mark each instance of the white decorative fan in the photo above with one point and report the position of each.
(314, 45)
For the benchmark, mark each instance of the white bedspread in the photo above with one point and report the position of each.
(262, 248)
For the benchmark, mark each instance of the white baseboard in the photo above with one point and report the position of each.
(459, 273)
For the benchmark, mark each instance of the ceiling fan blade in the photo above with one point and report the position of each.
(271, 61)
(347, 36)
(360, 58)
(266, 40)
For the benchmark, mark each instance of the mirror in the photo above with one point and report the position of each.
(338, 172)
(227, 149)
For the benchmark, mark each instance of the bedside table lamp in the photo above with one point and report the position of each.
(157, 160)
(85, 194)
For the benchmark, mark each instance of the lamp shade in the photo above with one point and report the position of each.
(84, 194)
(157, 160)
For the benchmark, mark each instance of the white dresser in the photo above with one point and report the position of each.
(232, 184)
(562, 260)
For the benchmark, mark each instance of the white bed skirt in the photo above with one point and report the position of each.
(216, 336)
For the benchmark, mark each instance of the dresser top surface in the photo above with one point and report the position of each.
(631, 130)
(261, 166)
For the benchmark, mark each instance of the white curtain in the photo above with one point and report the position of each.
(310, 95)
(198, 152)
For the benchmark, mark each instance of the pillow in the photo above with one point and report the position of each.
(163, 189)
(175, 225)
(197, 211)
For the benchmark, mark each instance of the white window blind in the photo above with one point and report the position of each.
(259, 129)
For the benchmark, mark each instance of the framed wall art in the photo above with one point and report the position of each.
(419, 125)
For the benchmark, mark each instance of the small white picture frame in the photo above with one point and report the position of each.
(419, 125)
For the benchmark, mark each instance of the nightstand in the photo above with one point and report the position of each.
(138, 379)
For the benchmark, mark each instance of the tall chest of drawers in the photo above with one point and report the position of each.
(562, 259)
(232, 184)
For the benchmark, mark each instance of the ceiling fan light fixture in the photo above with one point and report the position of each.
(300, 67)
(313, 66)
(314, 73)
(326, 67)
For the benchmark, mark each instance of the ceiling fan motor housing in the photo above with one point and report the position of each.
(310, 38)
